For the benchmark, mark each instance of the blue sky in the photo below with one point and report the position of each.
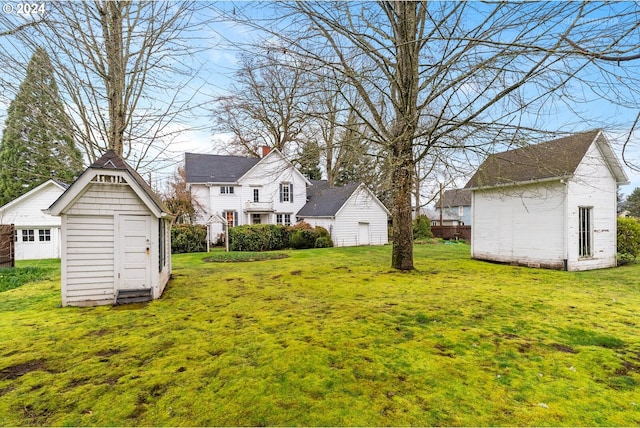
(218, 65)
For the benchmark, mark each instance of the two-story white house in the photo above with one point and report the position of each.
(244, 190)
(240, 190)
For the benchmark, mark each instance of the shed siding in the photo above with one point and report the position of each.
(360, 208)
(105, 199)
(89, 262)
(523, 224)
(593, 186)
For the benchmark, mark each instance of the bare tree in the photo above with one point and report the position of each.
(438, 76)
(125, 70)
(265, 107)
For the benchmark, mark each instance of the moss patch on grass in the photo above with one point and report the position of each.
(332, 337)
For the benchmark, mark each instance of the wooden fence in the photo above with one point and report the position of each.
(452, 232)
(7, 246)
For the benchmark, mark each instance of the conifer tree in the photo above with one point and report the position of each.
(37, 141)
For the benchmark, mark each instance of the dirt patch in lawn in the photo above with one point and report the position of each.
(17, 370)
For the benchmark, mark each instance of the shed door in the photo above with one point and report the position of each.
(363, 233)
(135, 252)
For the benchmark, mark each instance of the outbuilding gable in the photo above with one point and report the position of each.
(553, 160)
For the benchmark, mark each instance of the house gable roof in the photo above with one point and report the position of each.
(546, 161)
(33, 192)
(110, 161)
(201, 168)
(325, 201)
(455, 198)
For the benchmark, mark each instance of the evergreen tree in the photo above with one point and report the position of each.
(37, 142)
(633, 203)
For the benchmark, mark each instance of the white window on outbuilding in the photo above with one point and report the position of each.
(44, 235)
(28, 235)
(585, 232)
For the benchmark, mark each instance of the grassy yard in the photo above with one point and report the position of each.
(332, 337)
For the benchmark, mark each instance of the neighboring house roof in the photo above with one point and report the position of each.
(30, 193)
(546, 161)
(435, 215)
(325, 201)
(455, 198)
(110, 161)
(200, 168)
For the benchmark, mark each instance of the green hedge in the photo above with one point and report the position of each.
(269, 237)
(628, 239)
(258, 237)
(188, 238)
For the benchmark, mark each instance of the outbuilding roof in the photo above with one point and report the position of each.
(554, 159)
(202, 168)
(325, 201)
(111, 161)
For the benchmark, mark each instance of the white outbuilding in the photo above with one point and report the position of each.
(116, 237)
(37, 234)
(549, 205)
(352, 214)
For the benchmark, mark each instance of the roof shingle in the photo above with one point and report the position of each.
(201, 168)
(553, 159)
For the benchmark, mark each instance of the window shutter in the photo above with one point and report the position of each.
(235, 218)
(291, 192)
(281, 196)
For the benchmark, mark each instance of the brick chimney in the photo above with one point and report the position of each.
(265, 150)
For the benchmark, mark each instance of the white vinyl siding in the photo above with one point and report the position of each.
(520, 224)
(89, 264)
(105, 199)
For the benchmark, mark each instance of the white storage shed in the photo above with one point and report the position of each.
(548, 205)
(116, 237)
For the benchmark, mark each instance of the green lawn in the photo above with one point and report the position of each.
(332, 337)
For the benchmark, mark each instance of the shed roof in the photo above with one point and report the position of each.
(455, 198)
(110, 161)
(553, 159)
(201, 168)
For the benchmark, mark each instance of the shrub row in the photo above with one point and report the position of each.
(268, 237)
(628, 239)
(188, 238)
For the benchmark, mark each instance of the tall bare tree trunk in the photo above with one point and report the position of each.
(112, 18)
(405, 27)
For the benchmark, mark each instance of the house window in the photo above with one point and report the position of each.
(227, 190)
(28, 235)
(284, 219)
(460, 211)
(255, 219)
(585, 232)
(231, 217)
(44, 235)
(256, 195)
(286, 192)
